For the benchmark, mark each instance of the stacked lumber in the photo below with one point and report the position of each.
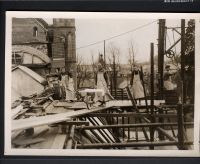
(39, 121)
(30, 107)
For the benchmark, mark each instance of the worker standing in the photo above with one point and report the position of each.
(168, 84)
(63, 83)
(70, 92)
(137, 88)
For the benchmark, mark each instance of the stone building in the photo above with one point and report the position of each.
(29, 44)
(62, 37)
(30, 32)
(43, 47)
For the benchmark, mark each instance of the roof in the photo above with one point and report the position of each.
(31, 73)
(41, 22)
(31, 50)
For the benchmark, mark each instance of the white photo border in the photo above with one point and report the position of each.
(98, 15)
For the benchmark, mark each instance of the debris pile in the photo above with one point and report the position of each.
(39, 121)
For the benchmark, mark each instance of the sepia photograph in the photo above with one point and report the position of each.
(101, 84)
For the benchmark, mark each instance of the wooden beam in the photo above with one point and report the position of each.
(130, 144)
(59, 141)
(131, 125)
(162, 131)
(180, 127)
(152, 130)
(26, 142)
(183, 48)
(70, 138)
(86, 123)
(131, 114)
(51, 119)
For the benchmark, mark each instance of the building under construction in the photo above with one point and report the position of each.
(104, 117)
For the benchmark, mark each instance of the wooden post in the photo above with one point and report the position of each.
(69, 143)
(152, 95)
(183, 60)
(115, 76)
(123, 130)
(122, 92)
(145, 94)
(111, 83)
(180, 127)
(161, 52)
(66, 54)
(104, 51)
(161, 120)
(128, 128)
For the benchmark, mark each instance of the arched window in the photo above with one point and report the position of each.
(17, 58)
(70, 46)
(35, 31)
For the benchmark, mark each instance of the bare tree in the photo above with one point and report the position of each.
(94, 65)
(83, 71)
(113, 55)
(113, 63)
(131, 54)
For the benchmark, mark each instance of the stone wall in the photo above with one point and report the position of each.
(63, 46)
(23, 29)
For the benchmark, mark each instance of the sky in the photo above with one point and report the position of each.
(89, 31)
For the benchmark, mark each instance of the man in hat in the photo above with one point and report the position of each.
(168, 85)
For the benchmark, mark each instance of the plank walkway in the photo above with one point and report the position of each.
(51, 119)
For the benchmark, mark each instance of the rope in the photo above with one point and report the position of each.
(124, 33)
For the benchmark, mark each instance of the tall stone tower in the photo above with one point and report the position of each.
(63, 46)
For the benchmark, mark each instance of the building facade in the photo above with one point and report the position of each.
(43, 47)
(63, 45)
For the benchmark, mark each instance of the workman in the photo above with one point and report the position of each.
(168, 84)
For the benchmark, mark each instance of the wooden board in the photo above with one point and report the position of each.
(16, 133)
(63, 104)
(49, 139)
(50, 107)
(40, 130)
(106, 131)
(22, 142)
(50, 119)
(59, 141)
(125, 103)
(78, 105)
(57, 110)
(97, 134)
(16, 110)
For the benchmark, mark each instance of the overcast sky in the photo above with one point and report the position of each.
(89, 31)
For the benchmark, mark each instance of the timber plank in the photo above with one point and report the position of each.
(50, 119)
(57, 110)
(105, 131)
(16, 133)
(124, 103)
(59, 141)
(29, 141)
(50, 107)
(38, 131)
(78, 105)
(63, 104)
(49, 139)
(16, 110)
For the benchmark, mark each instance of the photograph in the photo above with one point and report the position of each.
(110, 84)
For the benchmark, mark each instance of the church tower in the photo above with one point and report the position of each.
(63, 45)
